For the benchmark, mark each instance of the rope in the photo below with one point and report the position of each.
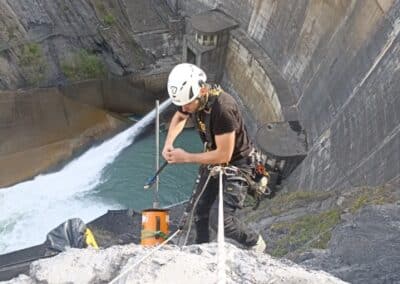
(147, 234)
(221, 238)
(144, 257)
(193, 209)
(221, 242)
(228, 171)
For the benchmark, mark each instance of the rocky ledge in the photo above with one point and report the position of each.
(170, 264)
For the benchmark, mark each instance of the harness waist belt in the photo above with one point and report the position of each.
(246, 161)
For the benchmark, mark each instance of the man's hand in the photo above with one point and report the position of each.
(177, 155)
(166, 150)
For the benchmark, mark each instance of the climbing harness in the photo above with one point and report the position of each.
(257, 177)
(253, 170)
(202, 118)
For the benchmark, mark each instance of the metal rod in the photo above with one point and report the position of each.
(221, 268)
(156, 203)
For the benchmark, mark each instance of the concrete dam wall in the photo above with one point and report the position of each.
(334, 65)
(41, 128)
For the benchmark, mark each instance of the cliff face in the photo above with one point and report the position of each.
(52, 42)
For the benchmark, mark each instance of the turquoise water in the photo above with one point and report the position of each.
(125, 177)
(107, 176)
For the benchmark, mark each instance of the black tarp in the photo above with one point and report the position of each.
(70, 234)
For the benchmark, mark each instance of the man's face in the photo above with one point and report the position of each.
(191, 107)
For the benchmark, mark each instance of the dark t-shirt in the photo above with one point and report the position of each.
(226, 117)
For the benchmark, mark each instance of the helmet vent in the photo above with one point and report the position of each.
(191, 95)
(183, 85)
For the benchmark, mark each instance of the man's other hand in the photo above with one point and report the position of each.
(166, 150)
(177, 155)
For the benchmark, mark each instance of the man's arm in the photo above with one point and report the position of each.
(222, 154)
(176, 126)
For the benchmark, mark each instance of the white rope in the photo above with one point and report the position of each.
(143, 258)
(221, 237)
(193, 209)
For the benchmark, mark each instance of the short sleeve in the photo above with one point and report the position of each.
(224, 119)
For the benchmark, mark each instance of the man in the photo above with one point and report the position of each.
(221, 128)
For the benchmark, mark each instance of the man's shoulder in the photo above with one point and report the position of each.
(225, 100)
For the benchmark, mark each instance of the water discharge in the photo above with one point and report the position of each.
(29, 210)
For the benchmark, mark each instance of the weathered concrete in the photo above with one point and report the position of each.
(135, 94)
(334, 66)
(42, 127)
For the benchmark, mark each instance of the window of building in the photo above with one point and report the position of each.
(206, 39)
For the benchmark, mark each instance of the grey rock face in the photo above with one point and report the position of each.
(365, 248)
(126, 36)
(192, 264)
(347, 233)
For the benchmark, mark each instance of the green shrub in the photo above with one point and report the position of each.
(31, 54)
(109, 19)
(296, 199)
(373, 196)
(32, 63)
(83, 65)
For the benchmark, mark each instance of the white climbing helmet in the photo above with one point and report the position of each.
(184, 83)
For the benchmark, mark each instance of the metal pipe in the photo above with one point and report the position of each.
(156, 203)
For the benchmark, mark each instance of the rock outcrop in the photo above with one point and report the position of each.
(192, 264)
(352, 234)
(46, 43)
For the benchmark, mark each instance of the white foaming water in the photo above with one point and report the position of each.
(29, 210)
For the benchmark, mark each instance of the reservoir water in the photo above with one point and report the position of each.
(108, 176)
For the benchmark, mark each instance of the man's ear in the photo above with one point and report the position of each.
(203, 90)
